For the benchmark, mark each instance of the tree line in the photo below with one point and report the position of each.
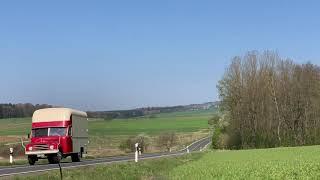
(150, 112)
(20, 110)
(269, 101)
(26, 110)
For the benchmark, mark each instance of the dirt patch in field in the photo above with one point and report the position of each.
(14, 142)
(9, 139)
(103, 152)
(18, 150)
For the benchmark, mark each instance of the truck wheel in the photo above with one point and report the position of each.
(75, 157)
(50, 159)
(32, 160)
(55, 158)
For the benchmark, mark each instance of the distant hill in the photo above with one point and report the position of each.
(151, 110)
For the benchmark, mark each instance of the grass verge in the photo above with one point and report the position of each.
(278, 163)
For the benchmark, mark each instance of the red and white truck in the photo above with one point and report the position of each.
(57, 133)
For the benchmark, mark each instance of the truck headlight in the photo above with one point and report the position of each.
(51, 147)
(30, 148)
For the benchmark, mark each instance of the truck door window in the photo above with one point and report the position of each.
(70, 131)
(61, 131)
(40, 132)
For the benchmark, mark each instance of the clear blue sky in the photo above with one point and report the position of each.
(103, 55)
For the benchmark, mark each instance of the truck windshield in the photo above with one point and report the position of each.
(40, 132)
(58, 131)
(54, 131)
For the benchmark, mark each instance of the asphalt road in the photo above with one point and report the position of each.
(25, 169)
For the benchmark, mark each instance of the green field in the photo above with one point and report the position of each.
(148, 125)
(15, 126)
(278, 163)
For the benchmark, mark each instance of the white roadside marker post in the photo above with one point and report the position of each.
(188, 149)
(136, 154)
(11, 157)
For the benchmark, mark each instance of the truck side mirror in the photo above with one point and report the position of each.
(28, 135)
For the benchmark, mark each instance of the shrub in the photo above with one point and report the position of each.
(152, 116)
(126, 145)
(144, 142)
(214, 120)
(18, 150)
(129, 144)
(215, 138)
(228, 140)
(167, 140)
(223, 141)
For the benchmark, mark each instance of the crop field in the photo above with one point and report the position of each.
(149, 125)
(106, 135)
(15, 126)
(278, 163)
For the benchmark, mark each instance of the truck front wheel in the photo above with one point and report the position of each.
(55, 158)
(32, 160)
(75, 157)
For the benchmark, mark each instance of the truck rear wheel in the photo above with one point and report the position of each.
(75, 157)
(32, 160)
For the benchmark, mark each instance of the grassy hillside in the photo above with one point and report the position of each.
(279, 163)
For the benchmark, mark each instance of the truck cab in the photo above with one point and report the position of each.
(57, 133)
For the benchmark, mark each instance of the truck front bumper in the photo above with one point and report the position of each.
(42, 152)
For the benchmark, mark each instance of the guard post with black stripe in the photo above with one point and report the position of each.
(11, 155)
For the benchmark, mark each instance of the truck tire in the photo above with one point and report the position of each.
(32, 160)
(50, 159)
(55, 158)
(75, 157)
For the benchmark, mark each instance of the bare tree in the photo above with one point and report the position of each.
(271, 101)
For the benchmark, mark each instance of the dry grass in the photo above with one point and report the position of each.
(17, 147)
(101, 146)
(9, 139)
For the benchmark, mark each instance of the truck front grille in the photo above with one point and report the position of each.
(40, 147)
